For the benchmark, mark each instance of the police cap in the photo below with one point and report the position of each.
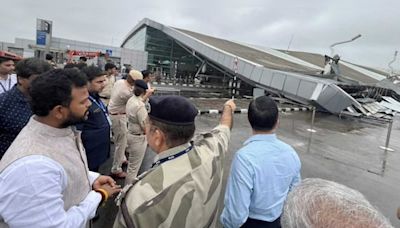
(135, 74)
(140, 83)
(174, 110)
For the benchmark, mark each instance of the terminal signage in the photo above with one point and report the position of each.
(90, 54)
(44, 30)
(40, 38)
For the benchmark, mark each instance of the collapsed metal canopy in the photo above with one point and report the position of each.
(286, 73)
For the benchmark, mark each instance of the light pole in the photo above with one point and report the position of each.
(390, 64)
(343, 42)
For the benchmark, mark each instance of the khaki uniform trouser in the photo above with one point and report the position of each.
(119, 129)
(137, 145)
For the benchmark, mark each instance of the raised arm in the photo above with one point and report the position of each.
(227, 114)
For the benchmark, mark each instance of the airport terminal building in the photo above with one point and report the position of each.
(322, 81)
(180, 57)
(62, 49)
(67, 50)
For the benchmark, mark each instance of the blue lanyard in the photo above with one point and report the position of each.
(101, 105)
(9, 84)
(172, 156)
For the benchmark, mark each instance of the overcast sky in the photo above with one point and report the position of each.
(314, 24)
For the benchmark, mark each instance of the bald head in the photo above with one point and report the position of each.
(321, 203)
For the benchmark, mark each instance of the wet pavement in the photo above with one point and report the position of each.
(342, 150)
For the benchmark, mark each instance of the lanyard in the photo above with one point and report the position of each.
(9, 84)
(172, 156)
(102, 107)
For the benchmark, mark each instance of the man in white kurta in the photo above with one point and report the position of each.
(44, 177)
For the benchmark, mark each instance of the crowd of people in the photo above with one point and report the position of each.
(56, 131)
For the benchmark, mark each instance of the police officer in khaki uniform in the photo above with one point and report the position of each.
(136, 115)
(111, 71)
(120, 95)
(183, 187)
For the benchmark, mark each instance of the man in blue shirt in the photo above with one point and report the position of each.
(14, 107)
(262, 172)
(96, 129)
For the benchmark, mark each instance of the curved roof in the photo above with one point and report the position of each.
(290, 73)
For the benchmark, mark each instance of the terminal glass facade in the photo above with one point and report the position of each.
(165, 56)
(173, 62)
(137, 41)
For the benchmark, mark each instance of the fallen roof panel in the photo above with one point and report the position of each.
(266, 69)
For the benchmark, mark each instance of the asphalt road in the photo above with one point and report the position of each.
(342, 150)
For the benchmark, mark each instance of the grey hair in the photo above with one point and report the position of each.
(318, 203)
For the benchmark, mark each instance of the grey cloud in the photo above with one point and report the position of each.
(314, 24)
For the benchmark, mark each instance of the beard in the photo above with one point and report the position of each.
(74, 120)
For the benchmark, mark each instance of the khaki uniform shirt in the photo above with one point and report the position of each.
(106, 93)
(181, 192)
(136, 114)
(120, 94)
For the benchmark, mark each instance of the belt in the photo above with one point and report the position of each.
(114, 114)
